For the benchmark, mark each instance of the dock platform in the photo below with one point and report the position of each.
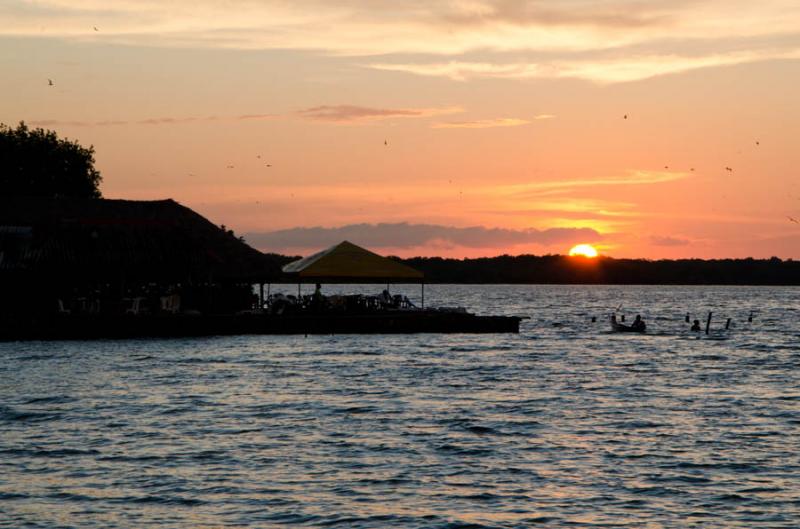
(88, 327)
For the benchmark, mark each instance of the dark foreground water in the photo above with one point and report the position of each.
(559, 426)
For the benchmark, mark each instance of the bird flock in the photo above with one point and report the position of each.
(386, 144)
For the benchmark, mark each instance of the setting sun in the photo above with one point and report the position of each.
(585, 250)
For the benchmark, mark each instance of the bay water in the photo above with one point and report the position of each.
(562, 425)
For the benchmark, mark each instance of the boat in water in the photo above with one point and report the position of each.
(621, 327)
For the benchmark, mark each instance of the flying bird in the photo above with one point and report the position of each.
(269, 165)
(666, 167)
(95, 28)
(625, 116)
(758, 143)
(50, 82)
(258, 156)
(230, 167)
(792, 219)
(385, 142)
(729, 169)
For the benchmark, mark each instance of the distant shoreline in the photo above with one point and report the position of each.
(294, 284)
(565, 270)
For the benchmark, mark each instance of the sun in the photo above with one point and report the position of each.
(585, 250)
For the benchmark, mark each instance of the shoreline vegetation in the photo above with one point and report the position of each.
(566, 270)
(576, 270)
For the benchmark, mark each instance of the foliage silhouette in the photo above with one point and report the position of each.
(560, 269)
(37, 163)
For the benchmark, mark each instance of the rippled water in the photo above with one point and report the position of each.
(563, 425)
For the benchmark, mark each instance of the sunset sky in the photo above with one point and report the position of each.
(653, 129)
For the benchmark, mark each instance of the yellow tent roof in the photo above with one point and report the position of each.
(347, 263)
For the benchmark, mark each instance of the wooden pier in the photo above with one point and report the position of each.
(92, 327)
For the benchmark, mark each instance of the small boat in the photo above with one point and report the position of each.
(621, 327)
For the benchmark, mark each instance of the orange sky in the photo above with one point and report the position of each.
(459, 128)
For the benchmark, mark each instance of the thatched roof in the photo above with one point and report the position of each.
(347, 263)
(112, 239)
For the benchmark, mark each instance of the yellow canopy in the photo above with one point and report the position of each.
(348, 263)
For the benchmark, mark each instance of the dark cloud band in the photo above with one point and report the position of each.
(405, 235)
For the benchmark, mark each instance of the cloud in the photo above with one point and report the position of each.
(631, 178)
(256, 117)
(597, 40)
(56, 123)
(481, 123)
(575, 208)
(599, 70)
(166, 120)
(526, 13)
(355, 114)
(405, 235)
(658, 240)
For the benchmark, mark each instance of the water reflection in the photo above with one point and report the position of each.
(560, 426)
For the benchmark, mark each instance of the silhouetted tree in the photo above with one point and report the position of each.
(560, 269)
(36, 162)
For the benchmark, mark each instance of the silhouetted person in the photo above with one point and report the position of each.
(316, 297)
(696, 326)
(638, 324)
(385, 298)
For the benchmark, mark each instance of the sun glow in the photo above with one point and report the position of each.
(585, 250)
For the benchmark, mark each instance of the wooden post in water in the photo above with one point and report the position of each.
(708, 322)
(261, 295)
(687, 317)
(423, 294)
(727, 324)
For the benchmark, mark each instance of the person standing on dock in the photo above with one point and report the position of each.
(317, 300)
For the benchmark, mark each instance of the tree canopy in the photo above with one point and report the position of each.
(37, 163)
(561, 269)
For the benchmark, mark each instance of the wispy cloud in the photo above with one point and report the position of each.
(608, 15)
(405, 235)
(577, 208)
(356, 114)
(164, 120)
(598, 40)
(631, 178)
(481, 123)
(634, 67)
(256, 117)
(660, 240)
